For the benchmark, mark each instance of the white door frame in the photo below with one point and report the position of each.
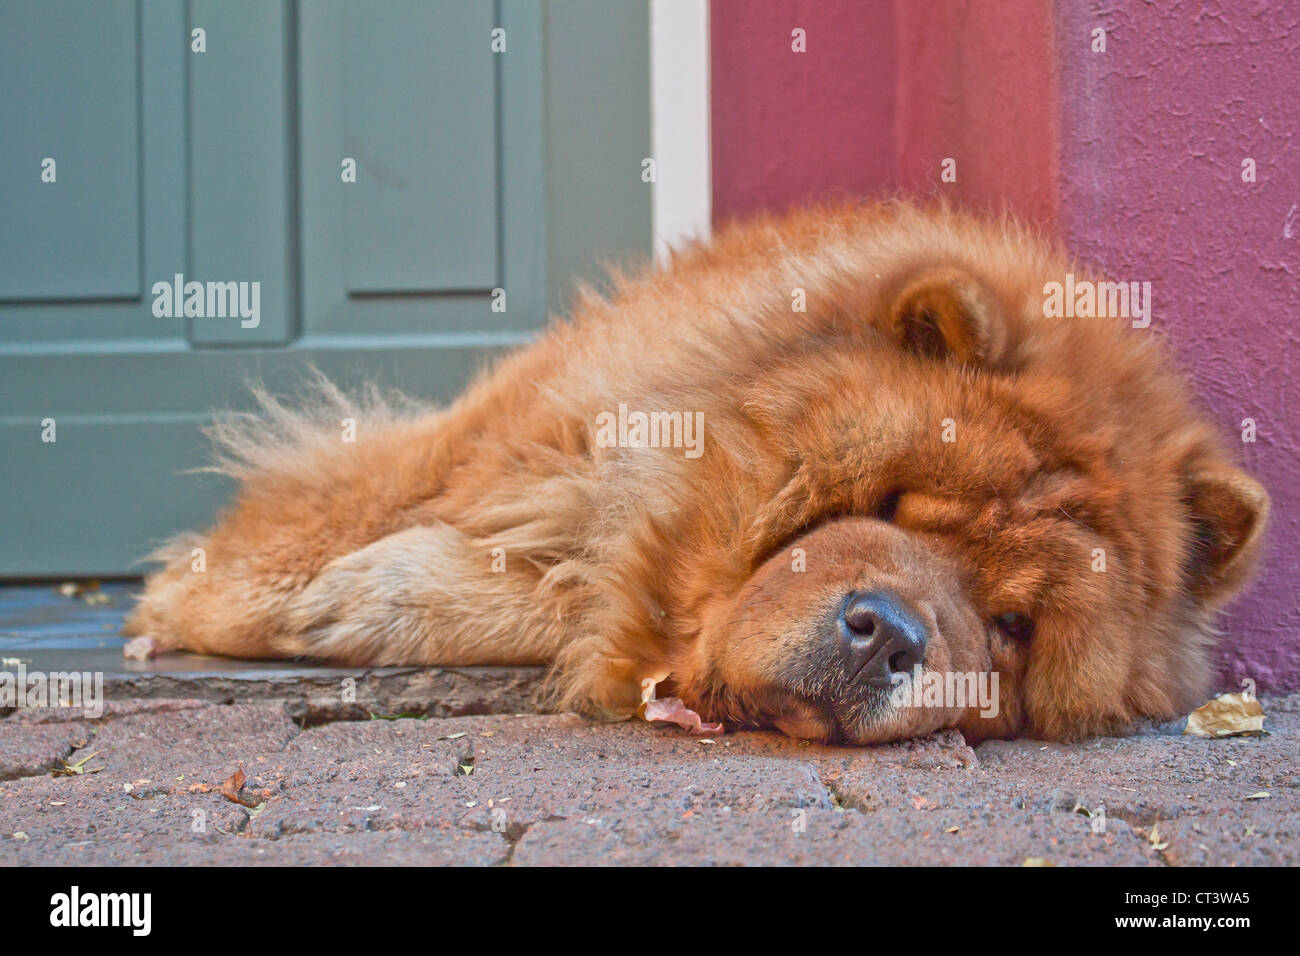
(679, 118)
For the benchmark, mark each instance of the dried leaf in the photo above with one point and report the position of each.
(73, 769)
(1260, 795)
(1157, 842)
(649, 684)
(233, 787)
(1037, 861)
(1228, 715)
(233, 784)
(671, 710)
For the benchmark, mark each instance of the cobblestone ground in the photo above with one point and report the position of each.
(143, 785)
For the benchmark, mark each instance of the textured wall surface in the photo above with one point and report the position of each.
(881, 96)
(1133, 155)
(1154, 132)
(978, 83)
(788, 126)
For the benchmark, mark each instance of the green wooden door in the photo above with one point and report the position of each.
(128, 157)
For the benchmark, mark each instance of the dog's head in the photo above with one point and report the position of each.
(990, 519)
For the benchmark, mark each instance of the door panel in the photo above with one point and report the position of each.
(224, 166)
(242, 157)
(65, 317)
(120, 479)
(447, 205)
(70, 76)
(422, 214)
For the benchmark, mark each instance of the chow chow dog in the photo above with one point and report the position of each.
(822, 453)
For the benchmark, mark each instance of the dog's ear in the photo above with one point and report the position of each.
(945, 312)
(1228, 509)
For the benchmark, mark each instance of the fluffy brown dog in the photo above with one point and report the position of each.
(812, 461)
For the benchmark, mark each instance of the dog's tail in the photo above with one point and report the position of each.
(337, 546)
(317, 476)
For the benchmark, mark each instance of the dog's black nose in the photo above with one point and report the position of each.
(879, 637)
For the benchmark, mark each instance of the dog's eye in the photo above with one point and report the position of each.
(1018, 627)
(888, 506)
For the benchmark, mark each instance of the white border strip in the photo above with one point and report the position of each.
(679, 120)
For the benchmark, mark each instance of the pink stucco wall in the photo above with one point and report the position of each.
(781, 130)
(1154, 132)
(1133, 155)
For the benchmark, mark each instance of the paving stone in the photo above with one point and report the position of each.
(823, 837)
(30, 749)
(487, 781)
(1259, 837)
(164, 836)
(1157, 776)
(557, 789)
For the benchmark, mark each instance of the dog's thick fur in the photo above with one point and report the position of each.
(919, 427)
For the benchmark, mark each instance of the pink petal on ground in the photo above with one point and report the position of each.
(671, 709)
